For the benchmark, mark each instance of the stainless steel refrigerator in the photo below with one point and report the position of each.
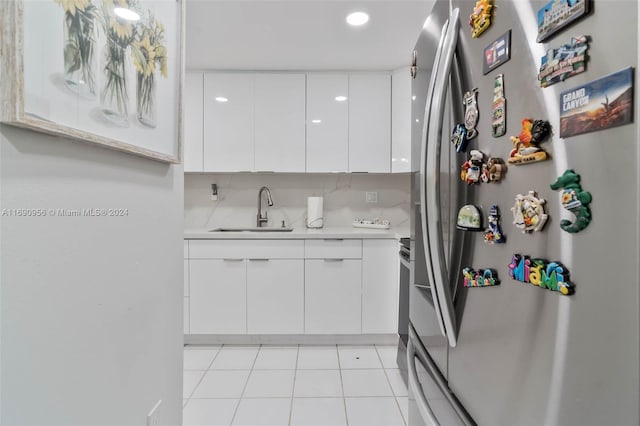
(515, 353)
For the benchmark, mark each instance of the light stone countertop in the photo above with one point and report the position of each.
(298, 234)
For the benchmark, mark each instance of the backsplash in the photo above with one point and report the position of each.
(344, 199)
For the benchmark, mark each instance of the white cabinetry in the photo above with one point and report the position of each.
(279, 128)
(380, 269)
(370, 122)
(228, 122)
(327, 123)
(401, 121)
(275, 296)
(193, 122)
(218, 293)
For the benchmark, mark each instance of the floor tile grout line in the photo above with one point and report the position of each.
(199, 381)
(293, 388)
(244, 388)
(344, 399)
(393, 392)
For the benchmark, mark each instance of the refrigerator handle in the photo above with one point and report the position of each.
(423, 158)
(414, 383)
(434, 223)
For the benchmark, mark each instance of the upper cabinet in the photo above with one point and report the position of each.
(327, 123)
(193, 121)
(288, 122)
(401, 119)
(228, 122)
(370, 122)
(279, 131)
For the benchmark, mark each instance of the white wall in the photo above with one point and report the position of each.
(344, 199)
(91, 307)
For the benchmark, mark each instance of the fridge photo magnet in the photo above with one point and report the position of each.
(548, 275)
(480, 277)
(499, 108)
(524, 149)
(480, 19)
(528, 212)
(557, 14)
(469, 218)
(597, 105)
(563, 62)
(470, 102)
(497, 53)
(493, 234)
(575, 200)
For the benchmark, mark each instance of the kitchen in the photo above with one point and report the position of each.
(308, 164)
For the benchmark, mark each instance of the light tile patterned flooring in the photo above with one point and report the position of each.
(293, 385)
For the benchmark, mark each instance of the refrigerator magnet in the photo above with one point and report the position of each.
(459, 137)
(524, 149)
(493, 234)
(479, 278)
(497, 53)
(548, 275)
(557, 14)
(563, 62)
(493, 170)
(598, 105)
(469, 218)
(480, 19)
(575, 200)
(528, 212)
(499, 108)
(470, 102)
(472, 168)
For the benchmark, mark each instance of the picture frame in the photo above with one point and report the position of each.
(93, 76)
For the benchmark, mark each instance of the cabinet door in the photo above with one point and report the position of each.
(401, 121)
(327, 123)
(333, 296)
(217, 299)
(193, 114)
(380, 286)
(228, 122)
(275, 296)
(370, 123)
(279, 127)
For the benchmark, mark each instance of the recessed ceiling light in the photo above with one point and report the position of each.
(357, 18)
(221, 99)
(127, 14)
(341, 98)
(316, 121)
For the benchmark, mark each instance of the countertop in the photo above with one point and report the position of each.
(297, 234)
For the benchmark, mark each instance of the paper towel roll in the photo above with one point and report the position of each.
(315, 218)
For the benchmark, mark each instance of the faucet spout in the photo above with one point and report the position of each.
(263, 219)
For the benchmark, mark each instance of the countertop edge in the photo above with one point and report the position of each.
(296, 234)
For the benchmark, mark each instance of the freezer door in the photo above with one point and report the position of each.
(528, 356)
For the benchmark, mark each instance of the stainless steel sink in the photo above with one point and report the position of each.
(263, 229)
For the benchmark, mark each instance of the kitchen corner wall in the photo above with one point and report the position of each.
(344, 199)
(91, 307)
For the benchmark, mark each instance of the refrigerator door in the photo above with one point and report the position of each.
(525, 355)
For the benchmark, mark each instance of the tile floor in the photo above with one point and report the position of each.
(293, 385)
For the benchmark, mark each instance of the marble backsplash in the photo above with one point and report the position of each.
(344, 199)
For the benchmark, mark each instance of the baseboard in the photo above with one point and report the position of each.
(291, 339)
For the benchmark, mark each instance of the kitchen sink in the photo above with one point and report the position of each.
(263, 229)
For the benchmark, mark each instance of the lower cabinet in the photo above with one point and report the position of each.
(217, 297)
(275, 296)
(333, 296)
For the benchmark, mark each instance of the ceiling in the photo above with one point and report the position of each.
(301, 34)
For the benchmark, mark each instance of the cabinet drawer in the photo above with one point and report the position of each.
(333, 249)
(246, 249)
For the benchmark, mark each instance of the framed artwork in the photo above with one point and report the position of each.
(106, 72)
(598, 105)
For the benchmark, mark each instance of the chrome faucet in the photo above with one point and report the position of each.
(264, 219)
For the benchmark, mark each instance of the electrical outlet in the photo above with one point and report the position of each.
(153, 418)
(371, 197)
